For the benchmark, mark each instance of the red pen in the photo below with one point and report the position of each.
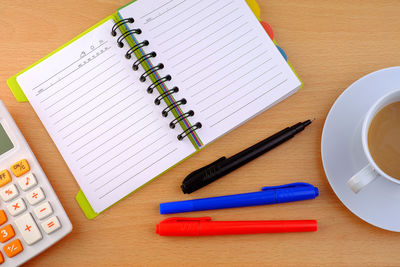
(178, 226)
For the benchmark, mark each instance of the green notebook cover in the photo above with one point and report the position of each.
(20, 96)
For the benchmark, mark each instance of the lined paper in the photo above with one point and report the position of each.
(98, 113)
(220, 57)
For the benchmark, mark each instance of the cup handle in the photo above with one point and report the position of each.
(362, 178)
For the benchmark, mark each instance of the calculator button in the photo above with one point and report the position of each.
(1, 258)
(9, 192)
(6, 233)
(20, 168)
(13, 248)
(3, 217)
(28, 228)
(27, 182)
(43, 210)
(16, 207)
(51, 225)
(5, 177)
(35, 196)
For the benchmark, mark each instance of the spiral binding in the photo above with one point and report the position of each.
(157, 101)
(150, 71)
(134, 48)
(123, 36)
(120, 23)
(189, 131)
(156, 83)
(188, 114)
(137, 63)
(172, 106)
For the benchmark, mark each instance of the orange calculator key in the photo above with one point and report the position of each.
(20, 168)
(6, 233)
(5, 177)
(3, 217)
(1, 258)
(13, 248)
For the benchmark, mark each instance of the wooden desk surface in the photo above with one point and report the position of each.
(330, 44)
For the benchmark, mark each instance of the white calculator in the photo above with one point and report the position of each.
(31, 216)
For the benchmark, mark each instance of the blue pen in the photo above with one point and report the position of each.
(268, 195)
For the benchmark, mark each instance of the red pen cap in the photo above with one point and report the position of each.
(178, 226)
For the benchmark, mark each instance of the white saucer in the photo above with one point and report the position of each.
(342, 153)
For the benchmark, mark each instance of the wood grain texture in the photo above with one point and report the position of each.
(330, 44)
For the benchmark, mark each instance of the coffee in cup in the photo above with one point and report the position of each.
(384, 139)
(380, 137)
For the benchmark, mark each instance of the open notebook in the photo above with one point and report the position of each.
(151, 85)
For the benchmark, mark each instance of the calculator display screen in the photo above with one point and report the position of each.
(5, 142)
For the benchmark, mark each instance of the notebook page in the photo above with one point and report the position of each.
(103, 122)
(219, 56)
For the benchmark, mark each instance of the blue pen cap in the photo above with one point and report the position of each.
(294, 192)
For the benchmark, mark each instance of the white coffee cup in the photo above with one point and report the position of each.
(371, 171)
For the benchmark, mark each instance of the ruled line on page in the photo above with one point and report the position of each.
(202, 19)
(154, 10)
(67, 66)
(100, 105)
(223, 67)
(108, 129)
(77, 79)
(110, 149)
(69, 103)
(41, 91)
(234, 91)
(165, 12)
(126, 159)
(170, 28)
(85, 104)
(110, 180)
(266, 92)
(239, 98)
(178, 15)
(115, 135)
(123, 152)
(110, 118)
(149, 166)
(217, 60)
(205, 38)
(95, 97)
